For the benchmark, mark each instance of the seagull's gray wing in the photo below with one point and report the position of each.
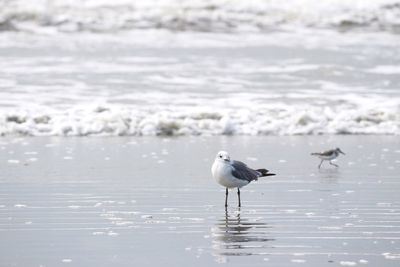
(242, 172)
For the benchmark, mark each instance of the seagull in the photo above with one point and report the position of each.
(328, 155)
(232, 173)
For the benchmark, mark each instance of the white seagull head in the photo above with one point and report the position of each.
(223, 156)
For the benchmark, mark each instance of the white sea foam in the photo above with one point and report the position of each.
(30, 153)
(111, 233)
(278, 119)
(98, 233)
(348, 263)
(391, 256)
(388, 70)
(298, 261)
(212, 15)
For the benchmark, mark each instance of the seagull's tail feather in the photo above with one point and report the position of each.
(315, 154)
(265, 172)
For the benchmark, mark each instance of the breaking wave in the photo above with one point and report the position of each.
(211, 15)
(276, 120)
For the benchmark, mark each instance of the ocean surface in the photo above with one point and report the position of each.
(110, 68)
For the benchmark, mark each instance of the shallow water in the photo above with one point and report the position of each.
(152, 201)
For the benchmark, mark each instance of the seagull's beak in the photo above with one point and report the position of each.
(227, 160)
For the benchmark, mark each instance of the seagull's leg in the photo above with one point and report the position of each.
(239, 197)
(226, 220)
(330, 162)
(319, 166)
(226, 197)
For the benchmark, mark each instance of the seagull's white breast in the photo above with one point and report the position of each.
(222, 173)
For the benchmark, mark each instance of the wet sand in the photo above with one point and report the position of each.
(152, 201)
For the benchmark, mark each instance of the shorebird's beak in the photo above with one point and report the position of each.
(340, 151)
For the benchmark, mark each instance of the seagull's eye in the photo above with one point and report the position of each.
(220, 156)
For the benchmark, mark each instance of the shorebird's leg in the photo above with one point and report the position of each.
(319, 166)
(330, 162)
(226, 197)
(239, 197)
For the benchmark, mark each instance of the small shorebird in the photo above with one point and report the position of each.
(328, 155)
(232, 173)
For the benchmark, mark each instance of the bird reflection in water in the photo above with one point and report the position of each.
(234, 235)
